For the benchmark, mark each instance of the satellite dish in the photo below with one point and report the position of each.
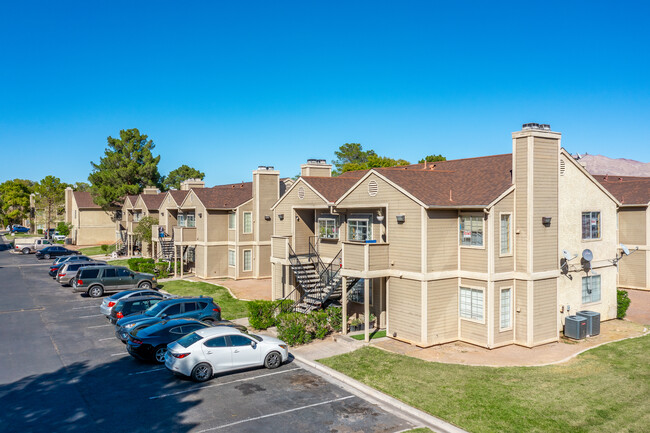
(587, 255)
(567, 255)
(625, 249)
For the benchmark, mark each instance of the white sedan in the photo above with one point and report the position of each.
(207, 351)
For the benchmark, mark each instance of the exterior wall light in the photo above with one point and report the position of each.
(200, 215)
(401, 218)
(281, 216)
(267, 217)
(546, 221)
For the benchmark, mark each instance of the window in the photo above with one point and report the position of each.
(190, 306)
(216, 342)
(471, 230)
(190, 339)
(181, 220)
(232, 220)
(239, 340)
(591, 225)
(248, 260)
(109, 273)
(328, 228)
(506, 308)
(186, 220)
(173, 310)
(506, 243)
(356, 292)
(359, 229)
(231, 258)
(471, 303)
(89, 273)
(74, 214)
(121, 272)
(176, 330)
(137, 216)
(590, 289)
(248, 222)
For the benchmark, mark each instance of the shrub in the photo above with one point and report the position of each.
(261, 314)
(335, 318)
(104, 248)
(162, 269)
(39, 231)
(317, 324)
(135, 264)
(292, 328)
(622, 304)
(147, 267)
(63, 228)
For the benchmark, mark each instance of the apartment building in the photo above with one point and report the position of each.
(91, 225)
(220, 232)
(134, 208)
(493, 251)
(633, 193)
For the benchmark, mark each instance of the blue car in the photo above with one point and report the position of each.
(19, 229)
(203, 309)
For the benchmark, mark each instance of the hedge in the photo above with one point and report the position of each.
(298, 328)
(262, 314)
(622, 304)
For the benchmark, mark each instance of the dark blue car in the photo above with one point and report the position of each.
(19, 229)
(150, 343)
(203, 309)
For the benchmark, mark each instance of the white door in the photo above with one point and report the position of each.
(218, 353)
(245, 352)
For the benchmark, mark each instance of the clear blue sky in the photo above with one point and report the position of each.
(227, 86)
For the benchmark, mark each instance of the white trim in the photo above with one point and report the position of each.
(287, 192)
(359, 217)
(393, 184)
(244, 260)
(234, 253)
(502, 196)
(589, 176)
(244, 232)
(483, 234)
(501, 290)
(511, 238)
(483, 291)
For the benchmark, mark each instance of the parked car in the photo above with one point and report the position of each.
(58, 237)
(203, 309)
(109, 303)
(60, 261)
(68, 270)
(54, 251)
(150, 343)
(205, 352)
(97, 281)
(30, 245)
(16, 228)
(132, 305)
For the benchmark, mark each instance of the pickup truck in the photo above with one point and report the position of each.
(30, 245)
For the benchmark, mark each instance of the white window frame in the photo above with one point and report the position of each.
(244, 261)
(191, 220)
(232, 258)
(360, 217)
(600, 226)
(509, 252)
(354, 290)
(336, 229)
(137, 216)
(470, 317)
(510, 309)
(244, 223)
(232, 220)
(591, 278)
(461, 232)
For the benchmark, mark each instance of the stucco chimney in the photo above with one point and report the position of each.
(150, 190)
(192, 183)
(316, 168)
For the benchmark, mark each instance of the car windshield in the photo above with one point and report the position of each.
(256, 337)
(155, 310)
(189, 339)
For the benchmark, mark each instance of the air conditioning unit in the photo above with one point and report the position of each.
(593, 321)
(575, 327)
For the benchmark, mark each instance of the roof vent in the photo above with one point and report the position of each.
(536, 126)
(562, 167)
(301, 193)
(316, 161)
(372, 188)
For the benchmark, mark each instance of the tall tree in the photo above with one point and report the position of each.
(14, 201)
(432, 158)
(81, 186)
(127, 167)
(184, 172)
(351, 153)
(49, 196)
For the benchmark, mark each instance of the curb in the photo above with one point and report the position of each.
(427, 420)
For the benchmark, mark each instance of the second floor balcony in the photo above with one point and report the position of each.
(184, 235)
(280, 247)
(365, 259)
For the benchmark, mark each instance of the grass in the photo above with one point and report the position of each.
(9, 236)
(96, 251)
(231, 308)
(418, 430)
(118, 262)
(374, 334)
(606, 389)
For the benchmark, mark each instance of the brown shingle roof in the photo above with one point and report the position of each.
(332, 188)
(178, 195)
(84, 200)
(461, 182)
(132, 199)
(153, 201)
(627, 189)
(225, 196)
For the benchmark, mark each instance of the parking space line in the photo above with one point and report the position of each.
(92, 315)
(109, 338)
(23, 310)
(147, 371)
(99, 326)
(221, 384)
(120, 354)
(87, 306)
(334, 400)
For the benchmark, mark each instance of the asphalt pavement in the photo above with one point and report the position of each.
(62, 370)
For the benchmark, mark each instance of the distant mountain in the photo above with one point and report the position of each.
(599, 164)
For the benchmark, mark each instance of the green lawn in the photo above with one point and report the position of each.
(373, 334)
(95, 251)
(119, 262)
(231, 308)
(9, 236)
(606, 389)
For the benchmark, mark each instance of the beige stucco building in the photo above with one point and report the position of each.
(91, 225)
(464, 250)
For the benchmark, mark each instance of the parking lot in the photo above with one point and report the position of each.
(63, 370)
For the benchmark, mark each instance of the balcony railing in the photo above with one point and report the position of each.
(131, 225)
(363, 257)
(280, 247)
(184, 235)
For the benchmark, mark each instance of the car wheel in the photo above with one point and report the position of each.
(159, 354)
(202, 372)
(25, 250)
(70, 282)
(95, 291)
(208, 321)
(47, 257)
(273, 360)
(145, 285)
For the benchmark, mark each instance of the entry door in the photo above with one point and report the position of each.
(304, 230)
(218, 353)
(243, 353)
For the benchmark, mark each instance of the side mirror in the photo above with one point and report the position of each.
(132, 275)
(253, 345)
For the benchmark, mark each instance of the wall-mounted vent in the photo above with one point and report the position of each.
(562, 167)
(372, 188)
(301, 193)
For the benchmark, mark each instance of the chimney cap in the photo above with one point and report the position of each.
(316, 161)
(266, 167)
(536, 126)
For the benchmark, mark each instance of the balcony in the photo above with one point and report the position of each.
(184, 235)
(280, 247)
(130, 226)
(365, 260)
